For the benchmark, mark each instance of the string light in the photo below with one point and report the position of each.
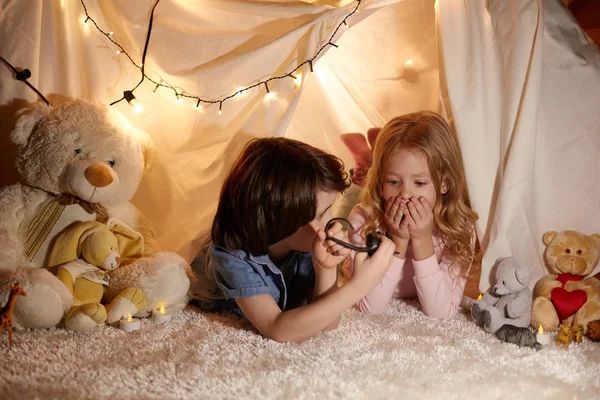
(22, 76)
(137, 106)
(199, 100)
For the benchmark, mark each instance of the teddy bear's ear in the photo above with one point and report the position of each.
(149, 154)
(522, 272)
(548, 236)
(131, 242)
(27, 120)
(596, 238)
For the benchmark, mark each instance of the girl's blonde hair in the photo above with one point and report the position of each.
(429, 134)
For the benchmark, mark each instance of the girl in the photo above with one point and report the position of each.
(415, 192)
(272, 210)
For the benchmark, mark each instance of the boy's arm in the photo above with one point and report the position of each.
(325, 284)
(301, 323)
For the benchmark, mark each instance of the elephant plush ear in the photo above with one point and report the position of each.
(27, 120)
(357, 144)
(372, 135)
(131, 242)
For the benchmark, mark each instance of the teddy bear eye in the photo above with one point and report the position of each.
(77, 151)
(578, 252)
(111, 163)
(568, 251)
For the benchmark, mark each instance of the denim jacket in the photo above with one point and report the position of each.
(224, 275)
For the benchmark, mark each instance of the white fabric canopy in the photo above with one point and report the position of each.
(518, 80)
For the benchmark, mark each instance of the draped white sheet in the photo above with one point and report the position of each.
(523, 88)
(519, 81)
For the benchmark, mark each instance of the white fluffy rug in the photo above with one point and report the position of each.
(402, 354)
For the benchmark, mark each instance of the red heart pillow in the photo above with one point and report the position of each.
(567, 303)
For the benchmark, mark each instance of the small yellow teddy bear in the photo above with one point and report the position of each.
(83, 254)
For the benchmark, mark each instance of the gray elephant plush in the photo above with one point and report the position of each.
(508, 301)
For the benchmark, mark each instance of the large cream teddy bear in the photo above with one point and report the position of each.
(78, 162)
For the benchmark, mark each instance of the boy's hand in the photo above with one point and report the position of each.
(326, 253)
(420, 219)
(369, 271)
(395, 210)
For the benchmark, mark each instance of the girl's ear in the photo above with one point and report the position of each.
(445, 186)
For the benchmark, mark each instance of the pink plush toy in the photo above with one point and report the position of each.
(361, 151)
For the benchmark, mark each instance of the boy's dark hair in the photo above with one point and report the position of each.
(271, 192)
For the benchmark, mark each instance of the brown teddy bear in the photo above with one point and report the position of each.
(567, 295)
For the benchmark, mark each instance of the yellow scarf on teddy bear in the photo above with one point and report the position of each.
(44, 221)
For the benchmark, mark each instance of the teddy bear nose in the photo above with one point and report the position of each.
(98, 175)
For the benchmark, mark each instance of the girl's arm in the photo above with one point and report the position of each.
(378, 298)
(301, 323)
(439, 291)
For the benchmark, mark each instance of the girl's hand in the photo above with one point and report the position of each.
(326, 253)
(395, 210)
(420, 219)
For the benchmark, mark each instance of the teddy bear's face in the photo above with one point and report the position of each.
(571, 252)
(511, 277)
(101, 249)
(81, 149)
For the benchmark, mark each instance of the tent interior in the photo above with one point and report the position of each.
(517, 79)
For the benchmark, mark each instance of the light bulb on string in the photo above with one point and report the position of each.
(137, 106)
(270, 94)
(344, 24)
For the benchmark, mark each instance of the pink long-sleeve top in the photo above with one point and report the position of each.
(430, 280)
